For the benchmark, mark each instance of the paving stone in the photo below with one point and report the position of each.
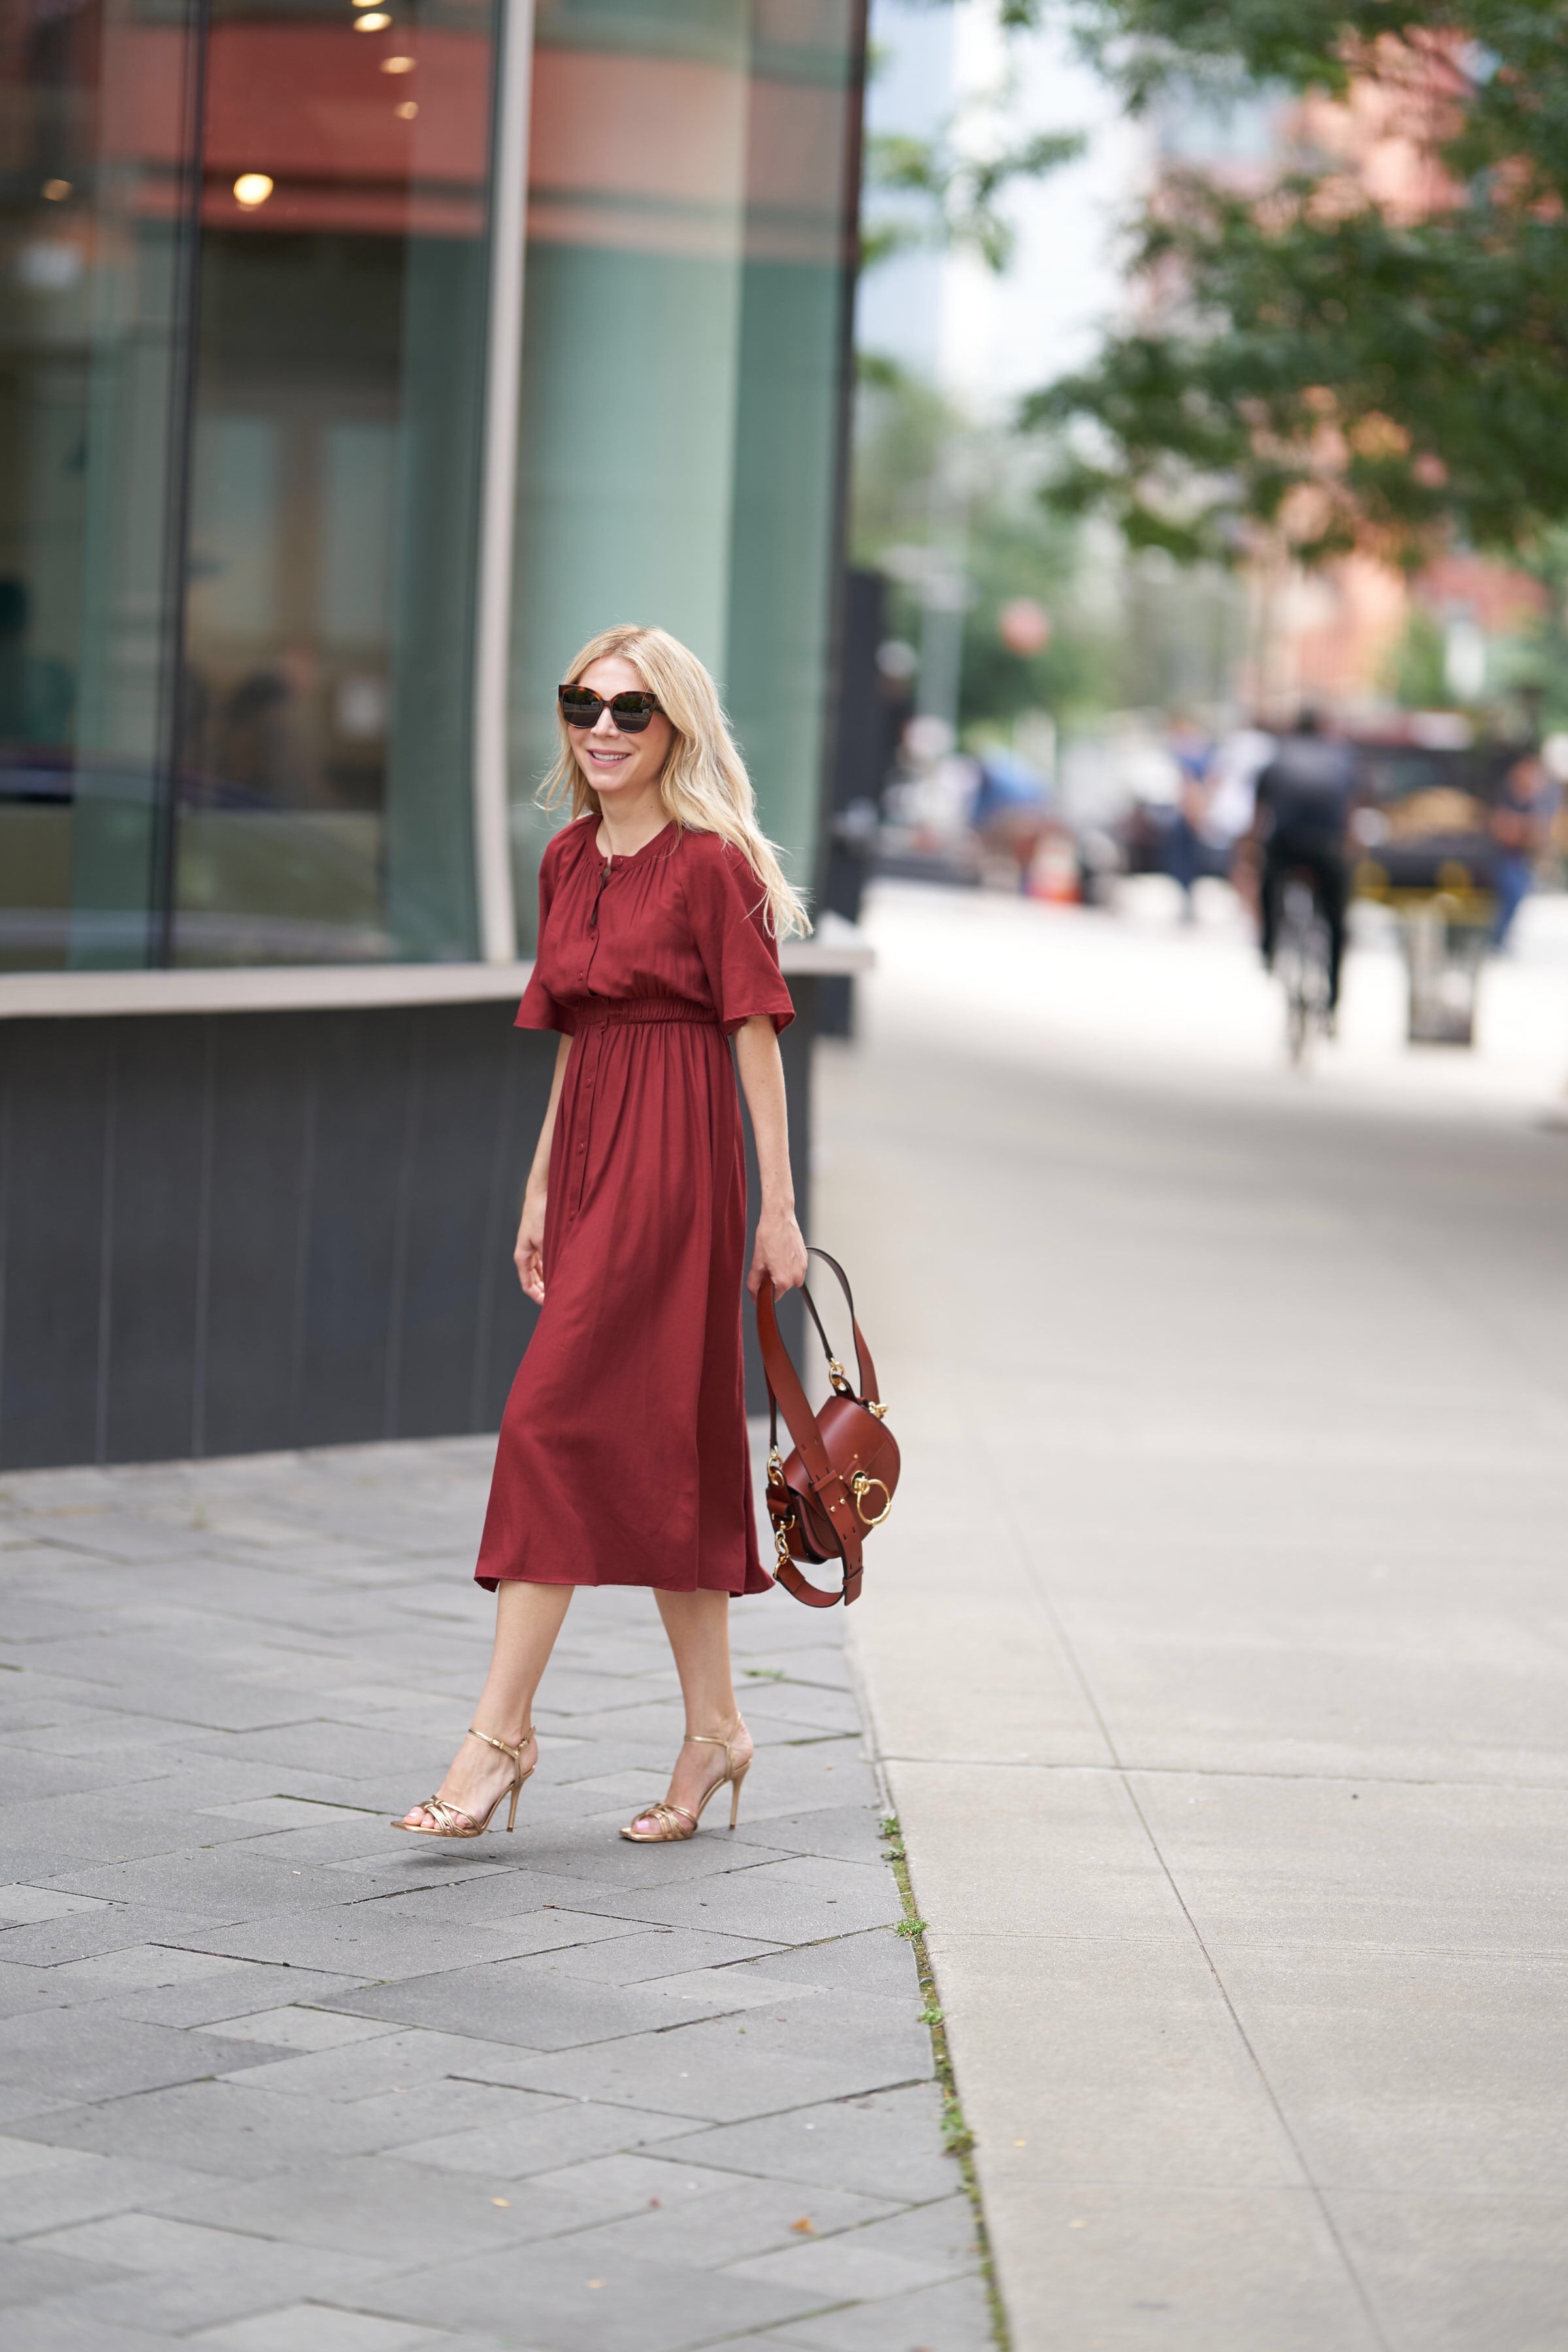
(701, 2218)
(796, 1901)
(385, 2210)
(312, 2328)
(212, 1998)
(66, 2185)
(81, 2054)
(543, 2142)
(183, 2275)
(724, 2069)
(954, 2316)
(643, 1956)
(627, 2305)
(299, 2029)
(875, 1961)
(30, 2273)
(219, 2127)
(282, 2081)
(891, 2138)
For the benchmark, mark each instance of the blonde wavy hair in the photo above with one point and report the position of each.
(703, 783)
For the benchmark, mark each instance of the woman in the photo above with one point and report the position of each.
(623, 1455)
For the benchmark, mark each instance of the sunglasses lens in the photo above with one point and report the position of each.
(579, 706)
(631, 712)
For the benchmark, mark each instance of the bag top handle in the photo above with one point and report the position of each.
(784, 1382)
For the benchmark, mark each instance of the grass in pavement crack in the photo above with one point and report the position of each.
(956, 2137)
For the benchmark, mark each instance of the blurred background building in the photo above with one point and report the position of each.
(356, 363)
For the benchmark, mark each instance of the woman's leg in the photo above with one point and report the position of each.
(528, 1619)
(698, 1624)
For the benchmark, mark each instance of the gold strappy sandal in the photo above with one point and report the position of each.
(669, 1817)
(454, 1824)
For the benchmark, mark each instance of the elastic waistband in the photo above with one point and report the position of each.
(619, 1012)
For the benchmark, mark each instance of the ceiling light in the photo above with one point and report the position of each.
(252, 188)
(56, 190)
(406, 111)
(376, 21)
(396, 65)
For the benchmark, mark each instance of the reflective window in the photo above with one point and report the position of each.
(681, 361)
(243, 355)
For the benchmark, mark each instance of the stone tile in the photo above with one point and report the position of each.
(188, 2276)
(32, 2273)
(796, 1901)
(890, 2138)
(545, 2142)
(211, 1999)
(627, 2305)
(82, 2054)
(383, 2210)
(647, 1955)
(726, 2069)
(24, 1906)
(298, 2028)
(219, 2127)
(366, 2021)
(714, 2222)
(954, 2315)
(68, 2185)
(509, 2001)
(314, 2327)
(875, 1961)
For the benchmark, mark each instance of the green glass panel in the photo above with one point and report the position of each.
(681, 367)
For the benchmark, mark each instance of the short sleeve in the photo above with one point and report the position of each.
(727, 907)
(539, 1009)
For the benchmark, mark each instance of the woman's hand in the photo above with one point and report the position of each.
(528, 1255)
(780, 1252)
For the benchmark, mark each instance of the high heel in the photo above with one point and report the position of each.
(669, 1817)
(454, 1824)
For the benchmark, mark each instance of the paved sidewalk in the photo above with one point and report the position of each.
(277, 2079)
(1217, 1641)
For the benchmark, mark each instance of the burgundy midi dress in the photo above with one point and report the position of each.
(623, 1455)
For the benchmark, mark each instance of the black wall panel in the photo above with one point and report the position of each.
(358, 1176)
(59, 1120)
(232, 1233)
(156, 1233)
(262, 1078)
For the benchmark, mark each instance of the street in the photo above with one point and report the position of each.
(1214, 1649)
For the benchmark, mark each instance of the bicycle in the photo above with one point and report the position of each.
(1303, 952)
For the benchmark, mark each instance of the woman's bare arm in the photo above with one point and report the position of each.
(781, 1248)
(529, 1254)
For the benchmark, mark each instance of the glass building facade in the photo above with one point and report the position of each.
(356, 363)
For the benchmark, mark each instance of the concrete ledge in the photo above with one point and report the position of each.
(837, 948)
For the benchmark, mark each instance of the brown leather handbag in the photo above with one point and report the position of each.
(839, 1483)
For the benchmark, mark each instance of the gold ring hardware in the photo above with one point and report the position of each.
(780, 1539)
(775, 1469)
(840, 1377)
(860, 1487)
(880, 1409)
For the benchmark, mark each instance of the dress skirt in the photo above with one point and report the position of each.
(623, 1456)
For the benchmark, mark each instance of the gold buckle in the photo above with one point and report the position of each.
(860, 1487)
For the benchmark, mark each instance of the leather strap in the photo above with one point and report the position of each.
(827, 1485)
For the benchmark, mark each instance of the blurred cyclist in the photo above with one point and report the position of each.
(1521, 826)
(1304, 796)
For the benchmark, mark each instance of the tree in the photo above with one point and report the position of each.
(1320, 367)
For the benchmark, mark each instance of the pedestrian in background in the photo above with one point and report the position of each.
(623, 1456)
(1520, 824)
